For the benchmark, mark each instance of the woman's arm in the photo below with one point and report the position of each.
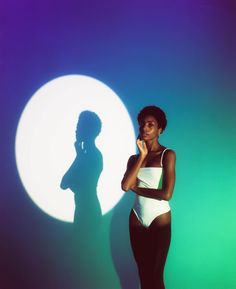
(134, 163)
(168, 181)
(130, 177)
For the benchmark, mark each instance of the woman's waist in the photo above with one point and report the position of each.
(149, 203)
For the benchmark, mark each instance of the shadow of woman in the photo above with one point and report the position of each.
(81, 178)
(120, 244)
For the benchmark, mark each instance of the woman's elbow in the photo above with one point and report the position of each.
(167, 196)
(124, 187)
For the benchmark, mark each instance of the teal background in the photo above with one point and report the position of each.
(179, 55)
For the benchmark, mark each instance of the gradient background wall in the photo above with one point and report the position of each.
(179, 55)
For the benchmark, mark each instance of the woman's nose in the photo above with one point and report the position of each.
(145, 128)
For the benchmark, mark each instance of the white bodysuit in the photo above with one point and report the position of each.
(147, 209)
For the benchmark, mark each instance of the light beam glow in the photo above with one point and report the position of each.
(45, 140)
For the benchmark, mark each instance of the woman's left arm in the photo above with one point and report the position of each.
(168, 180)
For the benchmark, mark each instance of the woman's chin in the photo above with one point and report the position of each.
(145, 137)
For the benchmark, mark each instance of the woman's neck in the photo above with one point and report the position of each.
(153, 146)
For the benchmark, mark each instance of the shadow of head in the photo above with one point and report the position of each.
(88, 126)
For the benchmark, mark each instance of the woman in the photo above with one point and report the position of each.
(151, 175)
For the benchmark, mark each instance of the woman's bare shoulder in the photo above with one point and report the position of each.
(170, 152)
(169, 156)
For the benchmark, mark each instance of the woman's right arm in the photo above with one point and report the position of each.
(134, 163)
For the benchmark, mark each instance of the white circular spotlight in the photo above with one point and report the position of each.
(45, 140)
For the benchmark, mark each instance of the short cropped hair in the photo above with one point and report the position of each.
(156, 112)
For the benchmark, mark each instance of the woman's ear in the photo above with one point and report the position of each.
(160, 130)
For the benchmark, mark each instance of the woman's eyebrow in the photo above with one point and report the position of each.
(148, 121)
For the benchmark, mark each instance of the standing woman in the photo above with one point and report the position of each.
(151, 176)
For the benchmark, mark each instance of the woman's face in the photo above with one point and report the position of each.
(148, 128)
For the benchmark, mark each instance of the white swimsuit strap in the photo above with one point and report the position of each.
(162, 155)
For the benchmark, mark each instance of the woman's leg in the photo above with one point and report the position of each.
(150, 248)
(160, 236)
(141, 249)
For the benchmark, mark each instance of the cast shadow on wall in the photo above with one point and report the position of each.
(120, 244)
(81, 178)
(89, 253)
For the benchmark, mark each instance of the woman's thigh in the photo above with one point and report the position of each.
(160, 237)
(139, 238)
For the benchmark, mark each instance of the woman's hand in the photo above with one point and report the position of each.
(142, 147)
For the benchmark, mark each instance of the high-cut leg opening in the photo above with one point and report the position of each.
(156, 221)
(138, 221)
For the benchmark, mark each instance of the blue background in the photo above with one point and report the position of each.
(179, 55)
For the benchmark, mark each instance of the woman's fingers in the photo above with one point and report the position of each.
(142, 146)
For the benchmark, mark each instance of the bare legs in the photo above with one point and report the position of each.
(150, 248)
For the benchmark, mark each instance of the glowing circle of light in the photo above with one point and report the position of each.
(45, 138)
